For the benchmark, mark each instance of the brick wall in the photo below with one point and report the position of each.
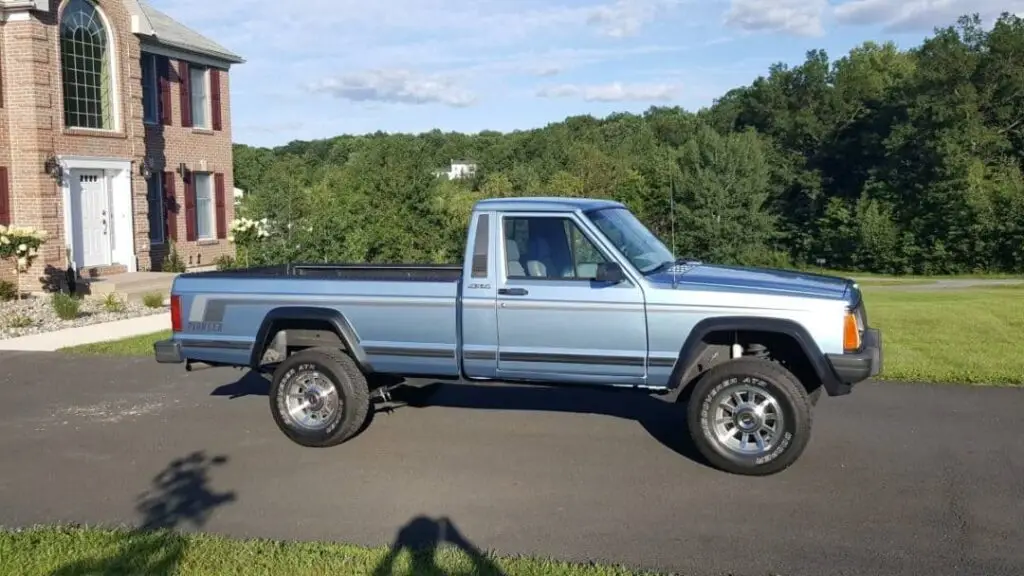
(201, 150)
(32, 128)
(26, 68)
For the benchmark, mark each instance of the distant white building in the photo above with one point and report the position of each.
(239, 193)
(458, 169)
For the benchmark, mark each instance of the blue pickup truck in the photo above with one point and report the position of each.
(555, 292)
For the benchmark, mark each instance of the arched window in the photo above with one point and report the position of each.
(86, 67)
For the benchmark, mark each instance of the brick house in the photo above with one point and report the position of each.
(115, 136)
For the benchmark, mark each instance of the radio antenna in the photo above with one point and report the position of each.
(672, 211)
(672, 217)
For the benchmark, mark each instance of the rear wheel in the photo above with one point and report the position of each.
(749, 416)
(319, 397)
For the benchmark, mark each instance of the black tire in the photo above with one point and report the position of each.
(814, 396)
(349, 384)
(765, 378)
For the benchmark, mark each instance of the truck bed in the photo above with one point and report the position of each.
(402, 316)
(367, 272)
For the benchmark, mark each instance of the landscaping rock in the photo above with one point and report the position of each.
(35, 315)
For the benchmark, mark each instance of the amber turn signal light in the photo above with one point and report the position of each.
(851, 333)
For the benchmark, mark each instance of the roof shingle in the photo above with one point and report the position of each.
(170, 32)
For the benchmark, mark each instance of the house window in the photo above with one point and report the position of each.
(199, 85)
(155, 198)
(150, 89)
(86, 67)
(205, 216)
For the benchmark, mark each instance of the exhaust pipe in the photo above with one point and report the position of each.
(191, 366)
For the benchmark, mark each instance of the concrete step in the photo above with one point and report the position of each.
(132, 284)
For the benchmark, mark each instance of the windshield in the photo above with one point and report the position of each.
(642, 248)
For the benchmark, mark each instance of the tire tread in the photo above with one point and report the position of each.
(352, 386)
(793, 391)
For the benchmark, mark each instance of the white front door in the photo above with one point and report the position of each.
(90, 216)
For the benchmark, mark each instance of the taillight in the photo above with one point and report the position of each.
(851, 333)
(175, 313)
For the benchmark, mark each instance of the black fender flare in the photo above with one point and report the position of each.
(693, 346)
(333, 317)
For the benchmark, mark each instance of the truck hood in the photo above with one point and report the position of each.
(752, 280)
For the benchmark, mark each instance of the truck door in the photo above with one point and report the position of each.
(555, 321)
(479, 328)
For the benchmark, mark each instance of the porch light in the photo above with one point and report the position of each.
(183, 171)
(146, 169)
(53, 167)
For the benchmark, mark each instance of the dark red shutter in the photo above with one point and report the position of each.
(190, 209)
(163, 67)
(5, 197)
(186, 94)
(170, 206)
(222, 214)
(215, 97)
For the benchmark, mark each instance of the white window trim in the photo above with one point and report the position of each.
(207, 106)
(154, 88)
(115, 76)
(158, 180)
(213, 207)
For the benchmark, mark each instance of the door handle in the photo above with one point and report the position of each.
(513, 291)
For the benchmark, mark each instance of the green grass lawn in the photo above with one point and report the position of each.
(63, 551)
(134, 346)
(969, 336)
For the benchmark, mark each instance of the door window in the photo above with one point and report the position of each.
(539, 247)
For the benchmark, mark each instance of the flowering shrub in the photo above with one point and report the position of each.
(20, 244)
(246, 233)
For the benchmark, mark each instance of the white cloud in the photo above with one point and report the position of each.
(920, 15)
(396, 86)
(798, 17)
(614, 92)
(626, 17)
(548, 69)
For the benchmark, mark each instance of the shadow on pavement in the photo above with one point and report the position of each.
(252, 384)
(422, 537)
(662, 419)
(180, 495)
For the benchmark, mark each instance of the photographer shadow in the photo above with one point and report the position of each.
(423, 538)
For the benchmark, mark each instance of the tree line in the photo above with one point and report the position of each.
(885, 160)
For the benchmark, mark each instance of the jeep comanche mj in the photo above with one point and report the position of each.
(555, 292)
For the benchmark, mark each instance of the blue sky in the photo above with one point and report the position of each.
(329, 67)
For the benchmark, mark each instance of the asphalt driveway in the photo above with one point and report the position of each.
(898, 479)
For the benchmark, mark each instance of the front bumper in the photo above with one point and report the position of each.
(168, 352)
(857, 366)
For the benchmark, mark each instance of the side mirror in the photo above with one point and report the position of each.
(610, 272)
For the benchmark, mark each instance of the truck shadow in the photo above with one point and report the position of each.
(423, 538)
(179, 496)
(664, 420)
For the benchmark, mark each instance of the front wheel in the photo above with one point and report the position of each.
(749, 416)
(319, 397)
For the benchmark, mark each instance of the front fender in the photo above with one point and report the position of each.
(696, 345)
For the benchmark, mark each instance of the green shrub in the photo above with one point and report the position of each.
(66, 306)
(226, 262)
(8, 291)
(153, 300)
(173, 262)
(112, 303)
(18, 321)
